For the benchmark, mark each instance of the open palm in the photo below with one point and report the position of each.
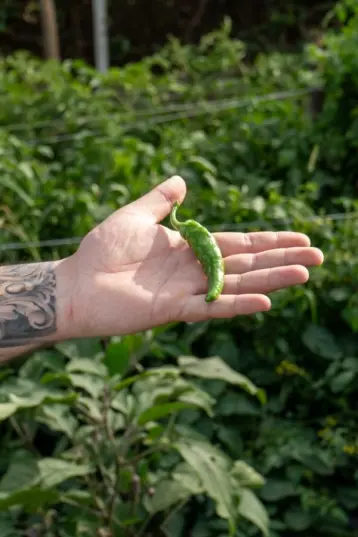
(135, 273)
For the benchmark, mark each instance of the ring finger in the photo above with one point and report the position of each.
(265, 281)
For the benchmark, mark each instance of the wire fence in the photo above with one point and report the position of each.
(68, 241)
(158, 115)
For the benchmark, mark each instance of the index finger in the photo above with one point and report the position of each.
(231, 243)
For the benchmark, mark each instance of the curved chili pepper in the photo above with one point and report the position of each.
(206, 250)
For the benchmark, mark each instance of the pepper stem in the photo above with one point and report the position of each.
(173, 217)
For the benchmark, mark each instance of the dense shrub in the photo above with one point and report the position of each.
(75, 146)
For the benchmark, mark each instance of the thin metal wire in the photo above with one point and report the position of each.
(195, 112)
(160, 112)
(233, 227)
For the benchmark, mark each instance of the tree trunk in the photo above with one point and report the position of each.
(51, 41)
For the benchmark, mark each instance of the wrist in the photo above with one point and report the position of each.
(36, 305)
(67, 326)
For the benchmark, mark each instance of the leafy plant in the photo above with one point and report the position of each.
(119, 457)
(76, 145)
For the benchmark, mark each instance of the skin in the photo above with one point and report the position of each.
(130, 273)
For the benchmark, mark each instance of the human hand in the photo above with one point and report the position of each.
(131, 273)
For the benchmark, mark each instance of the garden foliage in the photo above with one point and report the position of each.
(240, 427)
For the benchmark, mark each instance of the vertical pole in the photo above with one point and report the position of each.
(50, 35)
(100, 33)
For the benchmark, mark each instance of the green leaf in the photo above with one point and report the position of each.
(117, 357)
(167, 494)
(275, 490)
(297, 520)
(30, 499)
(213, 469)
(86, 365)
(160, 411)
(199, 399)
(92, 384)
(80, 348)
(253, 510)
(246, 476)
(7, 527)
(23, 472)
(43, 396)
(78, 496)
(203, 164)
(14, 186)
(350, 315)
(321, 342)
(231, 438)
(216, 368)
(7, 410)
(55, 471)
(184, 475)
(236, 404)
(317, 461)
(58, 418)
(340, 382)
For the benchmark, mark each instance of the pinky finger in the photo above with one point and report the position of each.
(226, 306)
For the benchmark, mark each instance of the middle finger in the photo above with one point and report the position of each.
(242, 263)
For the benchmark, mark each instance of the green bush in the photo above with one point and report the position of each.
(116, 460)
(75, 146)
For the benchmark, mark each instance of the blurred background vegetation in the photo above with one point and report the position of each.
(139, 28)
(242, 427)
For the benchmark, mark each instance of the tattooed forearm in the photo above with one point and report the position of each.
(27, 304)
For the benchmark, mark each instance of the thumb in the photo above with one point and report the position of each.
(157, 204)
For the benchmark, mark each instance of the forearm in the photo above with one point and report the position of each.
(35, 306)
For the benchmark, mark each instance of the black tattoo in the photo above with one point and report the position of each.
(27, 303)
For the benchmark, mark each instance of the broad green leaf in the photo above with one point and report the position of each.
(320, 341)
(92, 384)
(4, 373)
(216, 368)
(117, 357)
(51, 377)
(199, 399)
(348, 497)
(30, 499)
(246, 476)
(169, 371)
(230, 439)
(253, 510)
(184, 475)
(92, 407)
(350, 315)
(320, 462)
(7, 527)
(55, 471)
(80, 348)
(59, 419)
(297, 520)
(167, 494)
(213, 469)
(43, 397)
(23, 472)
(340, 382)
(237, 404)
(7, 410)
(85, 365)
(77, 496)
(275, 490)
(160, 411)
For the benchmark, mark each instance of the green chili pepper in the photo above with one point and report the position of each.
(206, 250)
